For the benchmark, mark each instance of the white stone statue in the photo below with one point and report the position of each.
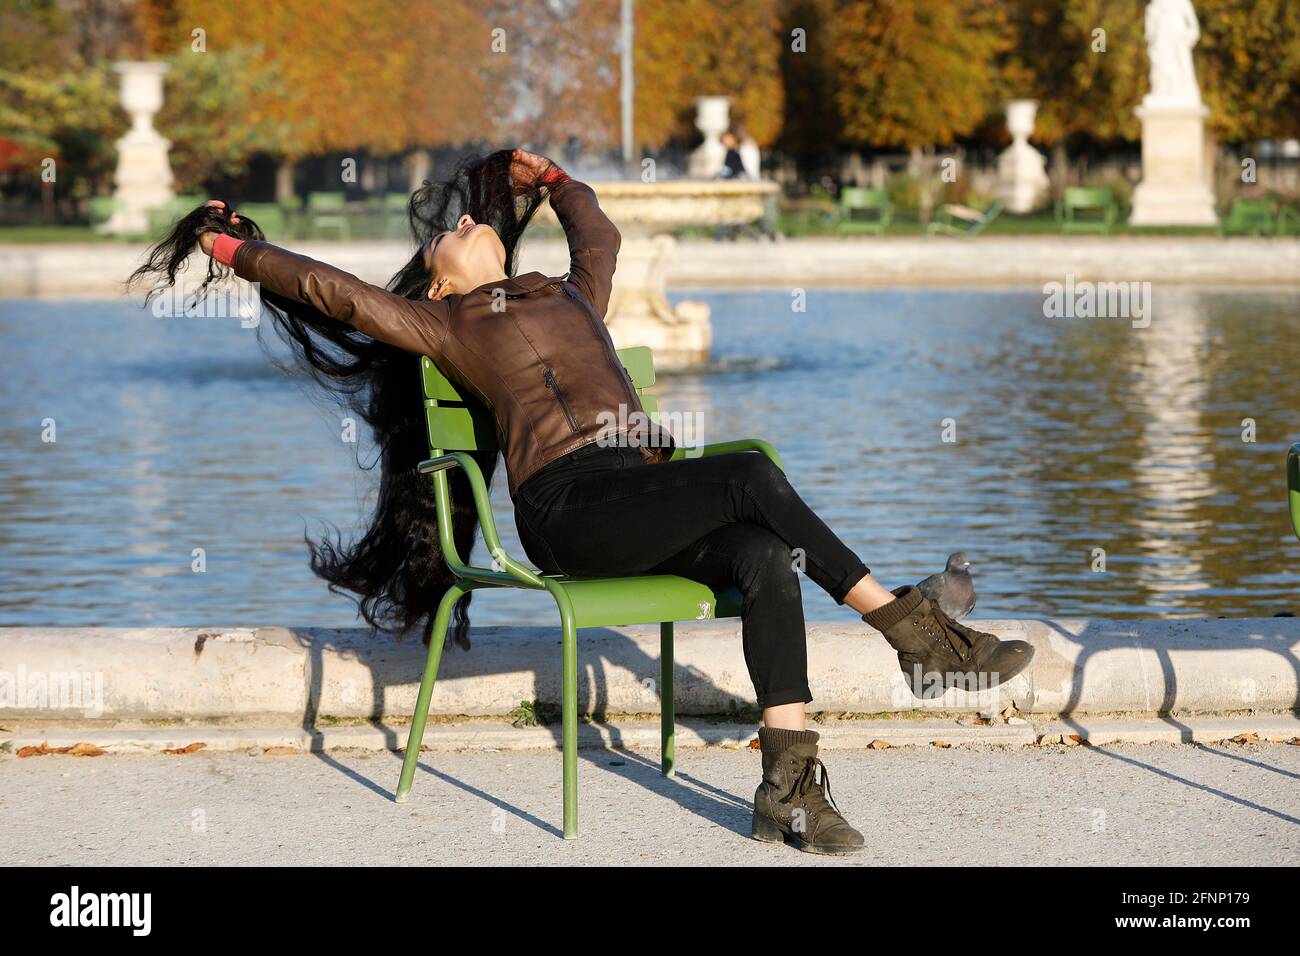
(1175, 188)
(1172, 31)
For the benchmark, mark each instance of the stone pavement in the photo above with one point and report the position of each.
(1154, 804)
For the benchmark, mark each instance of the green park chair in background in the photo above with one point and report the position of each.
(161, 219)
(1288, 218)
(962, 221)
(327, 211)
(865, 210)
(1251, 217)
(395, 219)
(102, 209)
(270, 218)
(1293, 486)
(458, 424)
(1087, 209)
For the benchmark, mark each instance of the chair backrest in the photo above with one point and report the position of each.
(326, 202)
(861, 197)
(1251, 210)
(1087, 197)
(991, 212)
(267, 215)
(102, 208)
(458, 422)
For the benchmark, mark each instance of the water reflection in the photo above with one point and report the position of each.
(1174, 471)
(1071, 435)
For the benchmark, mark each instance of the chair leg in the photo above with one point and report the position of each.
(437, 637)
(570, 680)
(667, 716)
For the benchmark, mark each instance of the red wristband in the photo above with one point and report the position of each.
(224, 249)
(555, 176)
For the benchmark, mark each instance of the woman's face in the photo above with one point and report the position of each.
(463, 258)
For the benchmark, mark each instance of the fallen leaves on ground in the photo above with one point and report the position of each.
(76, 750)
(184, 750)
(1250, 738)
(879, 745)
(281, 751)
(424, 749)
(940, 744)
(755, 745)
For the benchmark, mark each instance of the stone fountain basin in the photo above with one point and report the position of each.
(645, 208)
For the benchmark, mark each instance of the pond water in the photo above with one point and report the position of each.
(1071, 435)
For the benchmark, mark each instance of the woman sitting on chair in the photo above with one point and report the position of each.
(535, 351)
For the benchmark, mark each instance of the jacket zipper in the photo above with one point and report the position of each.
(568, 413)
(632, 395)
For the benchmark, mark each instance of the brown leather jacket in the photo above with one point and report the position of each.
(537, 353)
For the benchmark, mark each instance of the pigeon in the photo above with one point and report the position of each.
(954, 589)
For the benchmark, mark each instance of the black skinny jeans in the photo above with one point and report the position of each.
(725, 520)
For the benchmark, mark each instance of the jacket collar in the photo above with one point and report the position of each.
(527, 282)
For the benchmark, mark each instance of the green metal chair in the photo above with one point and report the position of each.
(1087, 209)
(162, 218)
(1287, 218)
(1248, 217)
(961, 222)
(865, 210)
(102, 209)
(328, 211)
(457, 425)
(269, 216)
(395, 215)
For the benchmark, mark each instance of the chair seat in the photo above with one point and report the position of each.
(645, 599)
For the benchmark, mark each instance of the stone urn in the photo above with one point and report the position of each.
(1022, 170)
(143, 179)
(712, 118)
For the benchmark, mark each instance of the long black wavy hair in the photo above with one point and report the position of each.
(395, 569)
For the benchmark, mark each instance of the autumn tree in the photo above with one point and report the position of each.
(59, 112)
(1084, 61)
(910, 73)
(324, 76)
(691, 48)
(1248, 65)
(811, 127)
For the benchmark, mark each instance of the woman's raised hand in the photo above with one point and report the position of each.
(207, 239)
(526, 168)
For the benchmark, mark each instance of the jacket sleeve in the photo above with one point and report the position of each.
(593, 240)
(418, 326)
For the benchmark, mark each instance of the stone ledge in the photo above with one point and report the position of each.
(287, 677)
(80, 269)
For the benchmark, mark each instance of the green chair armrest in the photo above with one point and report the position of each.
(727, 447)
(516, 573)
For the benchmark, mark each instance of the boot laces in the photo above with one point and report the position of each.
(806, 783)
(958, 637)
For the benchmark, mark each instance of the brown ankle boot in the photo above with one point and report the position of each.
(791, 805)
(935, 652)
